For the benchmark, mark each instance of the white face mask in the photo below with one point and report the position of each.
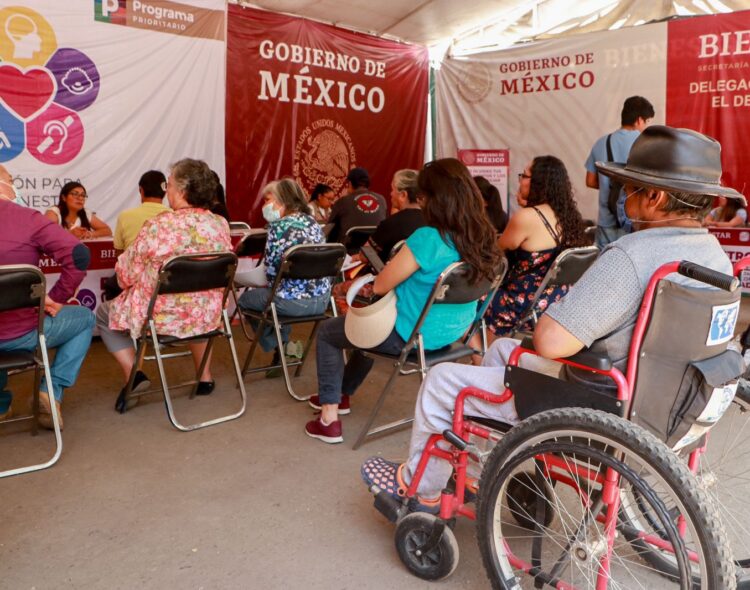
(16, 194)
(271, 213)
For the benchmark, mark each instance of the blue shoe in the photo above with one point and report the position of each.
(386, 476)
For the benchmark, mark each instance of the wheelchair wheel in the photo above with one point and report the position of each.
(522, 500)
(724, 471)
(578, 450)
(426, 546)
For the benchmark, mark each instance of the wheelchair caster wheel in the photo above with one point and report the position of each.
(426, 546)
(522, 495)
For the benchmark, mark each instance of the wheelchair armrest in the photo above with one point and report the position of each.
(587, 358)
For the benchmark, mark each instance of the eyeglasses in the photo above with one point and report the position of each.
(522, 175)
(78, 194)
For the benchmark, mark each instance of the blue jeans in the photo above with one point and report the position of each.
(256, 299)
(70, 333)
(333, 377)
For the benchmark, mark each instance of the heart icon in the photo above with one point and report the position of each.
(26, 93)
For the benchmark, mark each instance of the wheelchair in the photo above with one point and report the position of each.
(593, 489)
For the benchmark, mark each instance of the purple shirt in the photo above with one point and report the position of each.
(25, 234)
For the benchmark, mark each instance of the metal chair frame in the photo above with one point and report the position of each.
(149, 335)
(439, 295)
(236, 226)
(270, 316)
(568, 267)
(37, 360)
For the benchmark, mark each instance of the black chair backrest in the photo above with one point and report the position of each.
(685, 346)
(357, 236)
(570, 265)
(253, 244)
(454, 285)
(190, 273)
(238, 226)
(21, 285)
(312, 261)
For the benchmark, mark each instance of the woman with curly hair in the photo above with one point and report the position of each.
(548, 223)
(457, 229)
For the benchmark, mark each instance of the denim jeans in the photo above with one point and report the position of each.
(333, 377)
(256, 299)
(70, 333)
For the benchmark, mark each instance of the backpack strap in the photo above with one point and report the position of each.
(610, 157)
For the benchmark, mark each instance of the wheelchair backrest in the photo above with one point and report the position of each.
(685, 376)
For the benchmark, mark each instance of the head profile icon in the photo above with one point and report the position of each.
(24, 35)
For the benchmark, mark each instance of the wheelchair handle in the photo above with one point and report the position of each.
(708, 276)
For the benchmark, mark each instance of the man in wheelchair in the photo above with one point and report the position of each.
(670, 181)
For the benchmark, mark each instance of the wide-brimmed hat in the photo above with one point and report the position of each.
(682, 160)
(367, 327)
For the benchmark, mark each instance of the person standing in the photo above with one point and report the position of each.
(637, 113)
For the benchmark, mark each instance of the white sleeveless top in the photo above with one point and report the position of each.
(56, 211)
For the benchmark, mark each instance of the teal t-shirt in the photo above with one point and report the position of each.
(445, 323)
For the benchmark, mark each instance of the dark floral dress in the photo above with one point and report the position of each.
(516, 295)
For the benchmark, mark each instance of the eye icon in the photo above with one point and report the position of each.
(77, 81)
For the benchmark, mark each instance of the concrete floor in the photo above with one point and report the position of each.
(254, 503)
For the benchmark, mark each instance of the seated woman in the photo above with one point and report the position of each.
(189, 228)
(321, 201)
(289, 224)
(729, 213)
(548, 223)
(493, 203)
(72, 215)
(457, 229)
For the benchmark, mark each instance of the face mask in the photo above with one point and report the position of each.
(270, 213)
(17, 195)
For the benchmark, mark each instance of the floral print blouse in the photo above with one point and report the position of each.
(294, 229)
(185, 231)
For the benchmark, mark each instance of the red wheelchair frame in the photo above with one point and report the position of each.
(452, 502)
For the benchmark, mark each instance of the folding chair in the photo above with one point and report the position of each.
(304, 261)
(567, 268)
(188, 273)
(357, 236)
(239, 226)
(451, 287)
(24, 286)
(253, 244)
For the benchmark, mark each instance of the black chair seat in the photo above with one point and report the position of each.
(453, 352)
(16, 360)
(165, 339)
(286, 319)
(495, 425)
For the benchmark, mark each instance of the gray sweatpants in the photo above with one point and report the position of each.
(437, 398)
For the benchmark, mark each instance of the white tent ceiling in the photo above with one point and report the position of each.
(476, 25)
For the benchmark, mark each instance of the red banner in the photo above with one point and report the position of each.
(312, 101)
(708, 86)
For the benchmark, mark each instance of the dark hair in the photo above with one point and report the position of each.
(292, 196)
(728, 211)
(493, 202)
(320, 189)
(635, 107)
(196, 179)
(695, 204)
(63, 207)
(220, 202)
(359, 177)
(550, 184)
(453, 205)
(151, 182)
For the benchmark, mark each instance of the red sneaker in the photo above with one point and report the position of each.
(328, 434)
(344, 407)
